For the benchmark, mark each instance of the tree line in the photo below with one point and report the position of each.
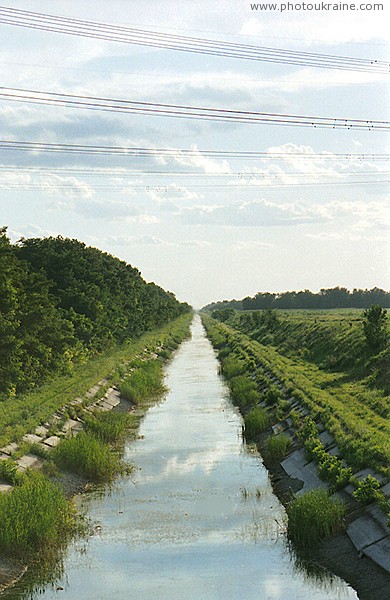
(61, 301)
(338, 297)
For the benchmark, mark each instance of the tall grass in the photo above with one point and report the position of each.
(146, 381)
(243, 391)
(313, 517)
(34, 514)
(110, 427)
(276, 446)
(89, 457)
(9, 472)
(256, 421)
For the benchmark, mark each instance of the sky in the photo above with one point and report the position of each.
(208, 228)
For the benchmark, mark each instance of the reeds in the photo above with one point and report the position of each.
(34, 514)
(146, 381)
(276, 446)
(89, 457)
(256, 421)
(313, 517)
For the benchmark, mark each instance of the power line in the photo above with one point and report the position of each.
(123, 173)
(186, 112)
(142, 151)
(166, 189)
(155, 39)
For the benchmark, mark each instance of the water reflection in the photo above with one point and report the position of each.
(198, 518)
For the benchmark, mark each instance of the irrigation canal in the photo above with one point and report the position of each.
(198, 518)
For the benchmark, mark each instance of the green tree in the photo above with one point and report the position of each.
(375, 328)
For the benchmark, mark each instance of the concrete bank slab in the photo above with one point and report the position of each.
(5, 487)
(32, 438)
(365, 531)
(294, 463)
(386, 490)
(10, 449)
(380, 553)
(52, 441)
(92, 391)
(71, 426)
(326, 439)
(28, 461)
(41, 431)
(105, 406)
(311, 480)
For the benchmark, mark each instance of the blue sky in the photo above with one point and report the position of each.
(217, 228)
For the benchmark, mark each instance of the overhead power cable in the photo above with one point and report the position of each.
(142, 151)
(121, 173)
(48, 186)
(154, 39)
(186, 112)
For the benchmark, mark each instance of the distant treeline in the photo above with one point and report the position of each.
(337, 297)
(61, 301)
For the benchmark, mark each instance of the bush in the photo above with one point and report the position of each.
(276, 446)
(34, 514)
(255, 421)
(312, 517)
(89, 457)
(367, 490)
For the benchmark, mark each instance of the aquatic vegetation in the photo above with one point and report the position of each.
(313, 517)
(256, 421)
(276, 446)
(145, 381)
(109, 426)
(89, 457)
(35, 513)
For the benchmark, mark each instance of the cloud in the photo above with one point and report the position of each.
(112, 210)
(264, 213)
(256, 213)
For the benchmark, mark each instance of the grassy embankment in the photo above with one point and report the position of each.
(265, 383)
(22, 414)
(95, 453)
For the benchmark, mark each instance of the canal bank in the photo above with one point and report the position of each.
(198, 518)
(361, 555)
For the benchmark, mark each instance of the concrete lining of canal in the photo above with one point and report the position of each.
(198, 519)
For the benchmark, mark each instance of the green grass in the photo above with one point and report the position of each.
(256, 421)
(33, 515)
(89, 457)
(110, 427)
(276, 446)
(9, 472)
(145, 382)
(313, 517)
(243, 391)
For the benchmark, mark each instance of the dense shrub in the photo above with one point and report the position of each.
(367, 490)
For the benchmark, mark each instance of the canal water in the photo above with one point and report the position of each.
(197, 519)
